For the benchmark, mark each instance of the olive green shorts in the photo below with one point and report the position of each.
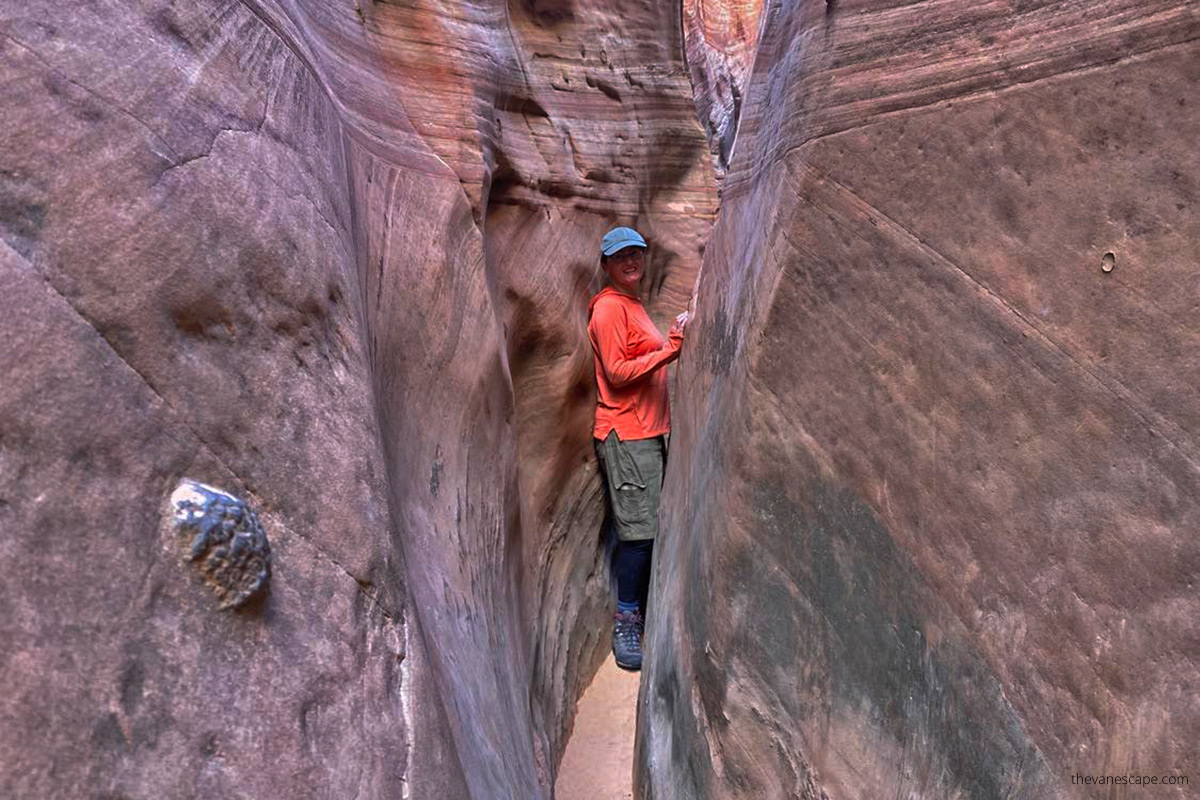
(633, 476)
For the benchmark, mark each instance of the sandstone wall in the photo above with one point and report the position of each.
(934, 469)
(334, 258)
(934, 478)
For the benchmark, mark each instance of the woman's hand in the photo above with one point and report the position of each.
(680, 323)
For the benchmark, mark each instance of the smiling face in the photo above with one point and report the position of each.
(625, 267)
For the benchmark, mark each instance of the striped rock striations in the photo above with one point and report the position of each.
(720, 40)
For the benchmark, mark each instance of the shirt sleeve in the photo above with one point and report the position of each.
(609, 332)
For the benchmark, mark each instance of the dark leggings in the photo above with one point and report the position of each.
(632, 567)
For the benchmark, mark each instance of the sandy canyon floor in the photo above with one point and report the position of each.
(598, 762)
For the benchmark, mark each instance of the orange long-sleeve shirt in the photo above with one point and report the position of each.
(629, 352)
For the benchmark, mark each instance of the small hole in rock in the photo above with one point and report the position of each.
(1108, 262)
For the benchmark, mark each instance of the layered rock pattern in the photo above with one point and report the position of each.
(333, 258)
(720, 40)
(935, 470)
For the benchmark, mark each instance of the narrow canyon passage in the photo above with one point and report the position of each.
(927, 520)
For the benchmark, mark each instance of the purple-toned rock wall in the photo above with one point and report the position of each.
(934, 478)
(333, 259)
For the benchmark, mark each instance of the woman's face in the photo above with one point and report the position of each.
(625, 268)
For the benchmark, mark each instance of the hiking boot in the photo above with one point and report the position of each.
(627, 641)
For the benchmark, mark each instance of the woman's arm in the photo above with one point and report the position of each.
(608, 331)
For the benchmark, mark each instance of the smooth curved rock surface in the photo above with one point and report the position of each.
(333, 257)
(935, 470)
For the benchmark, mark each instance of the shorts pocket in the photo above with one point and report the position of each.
(632, 504)
(629, 490)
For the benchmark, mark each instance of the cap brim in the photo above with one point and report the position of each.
(621, 245)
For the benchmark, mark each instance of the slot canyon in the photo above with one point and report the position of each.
(929, 523)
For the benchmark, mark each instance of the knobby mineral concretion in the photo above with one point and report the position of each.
(225, 540)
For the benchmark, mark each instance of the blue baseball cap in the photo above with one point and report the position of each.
(619, 239)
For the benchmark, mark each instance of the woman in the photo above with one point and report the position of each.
(633, 417)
